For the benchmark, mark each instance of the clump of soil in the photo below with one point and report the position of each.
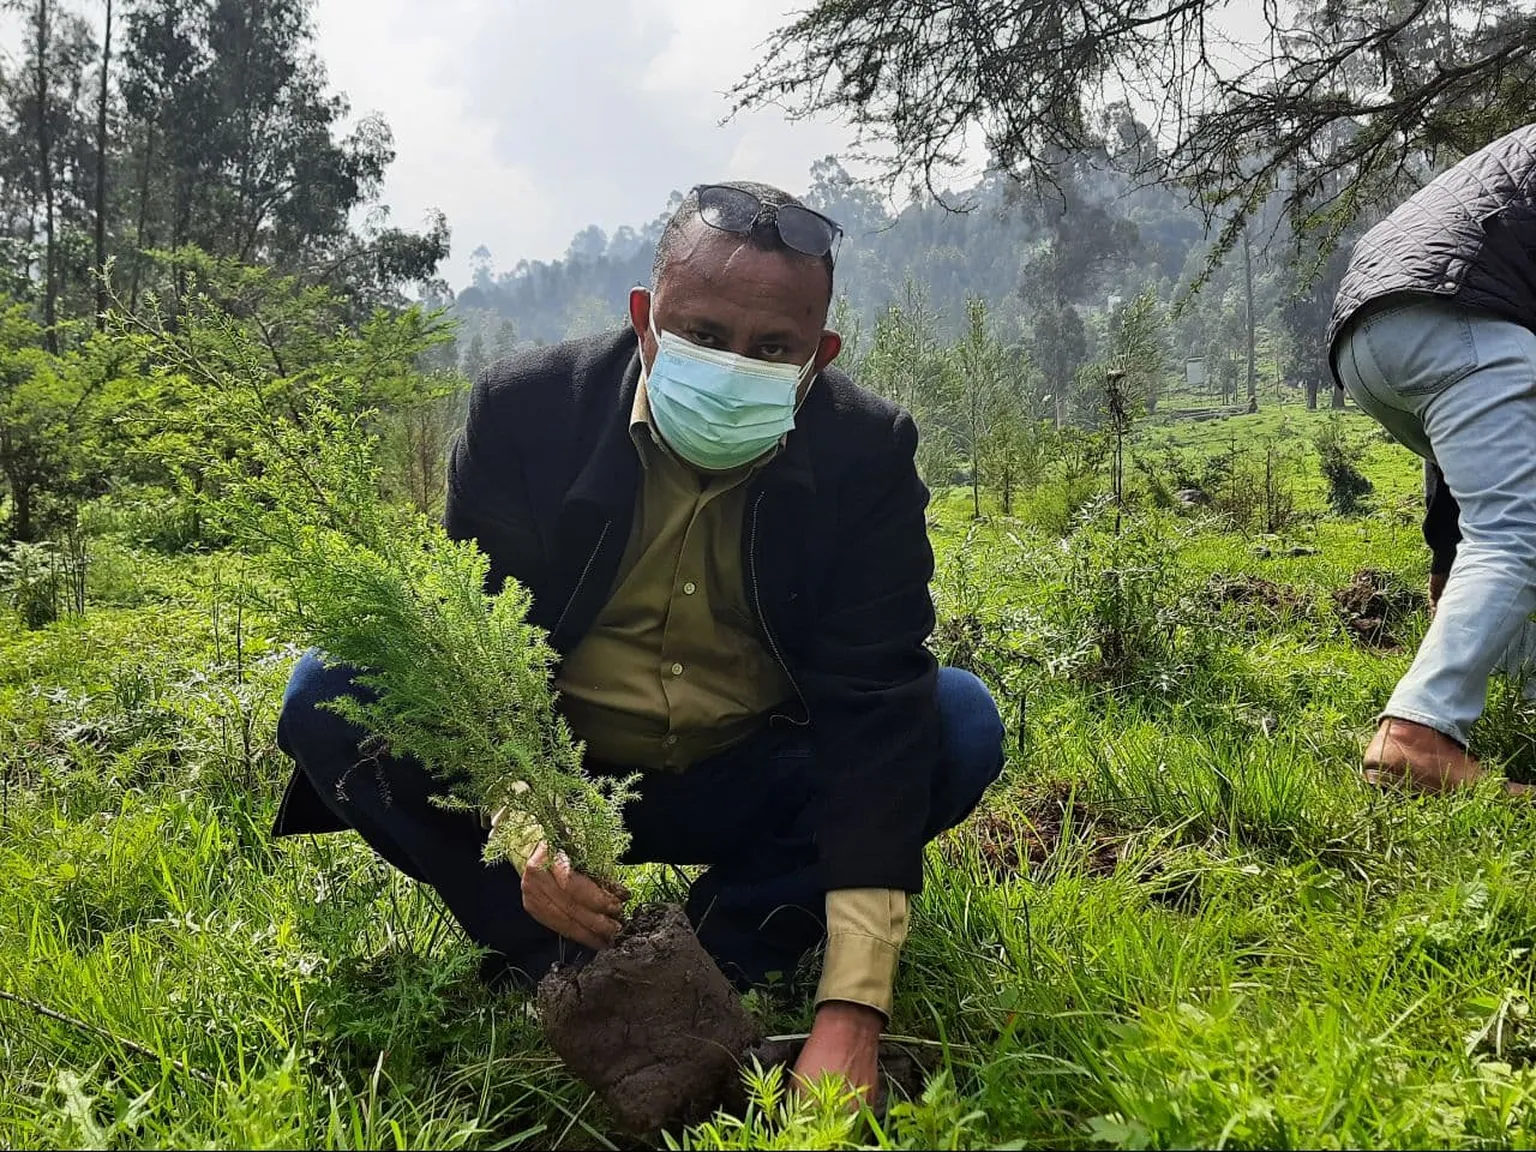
(1012, 842)
(651, 1024)
(1254, 592)
(1375, 606)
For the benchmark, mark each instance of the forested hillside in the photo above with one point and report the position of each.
(1049, 262)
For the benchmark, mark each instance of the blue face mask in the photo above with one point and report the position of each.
(715, 409)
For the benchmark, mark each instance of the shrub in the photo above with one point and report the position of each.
(1337, 452)
(1121, 616)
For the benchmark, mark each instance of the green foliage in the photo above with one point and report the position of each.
(989, 415)
(1178, 920)
(60, 438)
(462, 680)
(45, 580)
(187, 122)
(300, 337)
(1119, 616)
(1138, 348)
(1337, 452)
(906, 363)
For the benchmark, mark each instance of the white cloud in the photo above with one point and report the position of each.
(525, 122)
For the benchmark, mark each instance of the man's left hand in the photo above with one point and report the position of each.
(1437, 582)
(845, 1042)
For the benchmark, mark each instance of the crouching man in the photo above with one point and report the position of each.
(725, 539)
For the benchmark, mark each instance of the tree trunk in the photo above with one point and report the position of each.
(1253, 368)
(1311, 395)
(139, 238)
(1338, 397)
(249, 217)
(101, 175)
(21, 509)
(1060, 370)
(975, 450)
(40, 31)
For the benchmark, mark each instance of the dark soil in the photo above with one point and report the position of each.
(1375, 606)
(1012, 842)
(1261, 601)
(651, 1024)
(1245, 590)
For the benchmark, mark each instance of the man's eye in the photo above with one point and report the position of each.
(772, 351)
(703, 339)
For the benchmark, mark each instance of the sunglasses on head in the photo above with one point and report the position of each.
(736, 210)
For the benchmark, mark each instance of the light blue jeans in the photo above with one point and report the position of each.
(1459, 388)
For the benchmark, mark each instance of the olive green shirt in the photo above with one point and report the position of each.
(674, 670)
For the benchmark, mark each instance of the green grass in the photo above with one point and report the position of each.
(1180, 920)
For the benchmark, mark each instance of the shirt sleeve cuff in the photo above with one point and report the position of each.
(515, 834)
(866, 928)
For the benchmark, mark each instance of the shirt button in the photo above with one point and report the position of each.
(690, 588)
(677, 669)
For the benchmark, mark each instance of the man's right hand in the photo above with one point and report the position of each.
(1436, 590)
(568, 903)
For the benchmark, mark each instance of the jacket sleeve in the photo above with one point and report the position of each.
(487, 495)
(870, 682)
(1442, 521)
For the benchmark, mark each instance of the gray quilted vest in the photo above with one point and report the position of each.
(1470, 235)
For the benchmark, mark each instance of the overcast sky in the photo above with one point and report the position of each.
(526, 120)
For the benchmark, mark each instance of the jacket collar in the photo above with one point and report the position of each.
(610, 473)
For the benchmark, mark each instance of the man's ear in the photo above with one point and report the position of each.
(831, 345)
(640, 312)
(826, 352)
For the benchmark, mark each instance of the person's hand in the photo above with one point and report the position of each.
(845, 1042)
(1436, 590)
(568, 903)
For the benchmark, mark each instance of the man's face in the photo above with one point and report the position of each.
(719, 292)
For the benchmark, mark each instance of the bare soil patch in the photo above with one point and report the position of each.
(1377, 606)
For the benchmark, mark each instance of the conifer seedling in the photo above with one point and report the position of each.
(461, 681)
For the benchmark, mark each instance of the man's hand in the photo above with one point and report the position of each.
(568, 903)
(844, 1041)
(1436, 590)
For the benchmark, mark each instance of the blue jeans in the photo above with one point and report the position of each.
(745, 813)
(1459, 388)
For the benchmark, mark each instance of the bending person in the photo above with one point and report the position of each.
(1434, 335)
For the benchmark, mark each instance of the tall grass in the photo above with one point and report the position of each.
(1179, 920)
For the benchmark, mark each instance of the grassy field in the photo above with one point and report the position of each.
(1178, 921)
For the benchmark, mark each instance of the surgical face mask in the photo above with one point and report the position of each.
(715, 409)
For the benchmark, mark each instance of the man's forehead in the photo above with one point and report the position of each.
(708, 260)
